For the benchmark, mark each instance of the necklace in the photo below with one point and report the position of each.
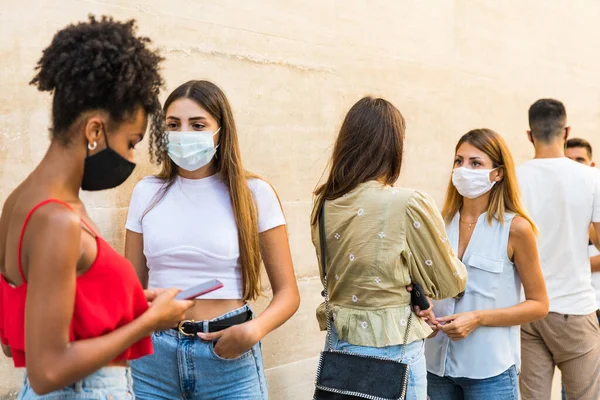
(470, 224)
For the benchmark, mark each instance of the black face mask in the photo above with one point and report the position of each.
(106, 169)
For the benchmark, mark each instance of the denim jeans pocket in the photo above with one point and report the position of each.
(211, 346)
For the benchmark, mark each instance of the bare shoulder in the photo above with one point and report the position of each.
(51, 240)
(52, 226)
(520, 228)
(55, 217)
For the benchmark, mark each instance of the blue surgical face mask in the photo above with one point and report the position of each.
(192, 150)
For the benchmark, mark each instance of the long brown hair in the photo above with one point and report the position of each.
(228, 163)
(368, 147)
(504, 195)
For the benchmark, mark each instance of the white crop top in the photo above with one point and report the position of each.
(191, 236)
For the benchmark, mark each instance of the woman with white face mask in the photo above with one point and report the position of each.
(204, 217)
(474, 352)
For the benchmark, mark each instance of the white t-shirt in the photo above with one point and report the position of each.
(563, 197)
(595, 275)
(191, 236)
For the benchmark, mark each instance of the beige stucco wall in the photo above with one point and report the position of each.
(291, 70)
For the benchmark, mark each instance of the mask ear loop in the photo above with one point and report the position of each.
(498, 167)
(218, 144)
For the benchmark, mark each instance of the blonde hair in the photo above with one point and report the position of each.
(504, 195)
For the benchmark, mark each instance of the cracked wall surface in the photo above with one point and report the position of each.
(291, 70)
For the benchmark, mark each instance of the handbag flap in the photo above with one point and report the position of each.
(358, 374)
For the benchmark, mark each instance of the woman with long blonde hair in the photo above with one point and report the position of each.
(475, 352)
(204, 217)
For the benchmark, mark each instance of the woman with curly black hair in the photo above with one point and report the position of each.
(66, 296)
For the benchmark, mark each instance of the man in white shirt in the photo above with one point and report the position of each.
(580, 150)
(563, 198)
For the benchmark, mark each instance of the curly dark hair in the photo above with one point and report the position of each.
(102, 64)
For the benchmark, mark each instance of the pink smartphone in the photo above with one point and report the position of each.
(199, 290)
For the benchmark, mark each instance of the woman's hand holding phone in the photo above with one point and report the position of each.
(151, 294)
(168, 306)
(165, 311)
(427, 315)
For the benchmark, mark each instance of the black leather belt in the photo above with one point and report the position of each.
(189, 327)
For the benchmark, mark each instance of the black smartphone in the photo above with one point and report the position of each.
(199, 290)
(418, 298)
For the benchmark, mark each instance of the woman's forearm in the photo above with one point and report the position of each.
(134, 252)
(277, 258)
(595, 263)
(527, 311)
(79, 359)
(283, 305)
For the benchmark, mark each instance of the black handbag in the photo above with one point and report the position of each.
(343, 375)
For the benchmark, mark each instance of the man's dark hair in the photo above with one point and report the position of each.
(577, 142)
(547, 119)
(101, 64)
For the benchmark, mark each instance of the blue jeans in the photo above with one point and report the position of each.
(501, 387)
(113, 383)
(185, 367)
(414, 356)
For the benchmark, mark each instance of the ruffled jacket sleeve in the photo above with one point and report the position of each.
(431, 261)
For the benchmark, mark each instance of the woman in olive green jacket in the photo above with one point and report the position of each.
(380, 239)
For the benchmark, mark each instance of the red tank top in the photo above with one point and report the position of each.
(107, 296)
